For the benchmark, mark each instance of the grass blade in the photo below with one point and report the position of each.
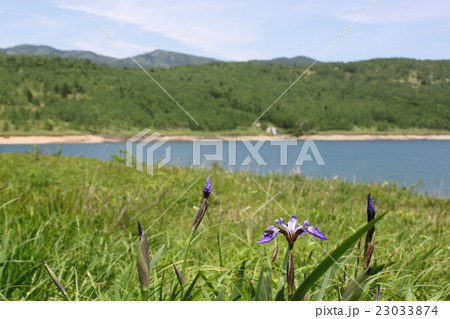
(409, 295)
(263, 287)
(221, 295)
(355, 288)
(280, 294)
(154, 259)
(3, 254)
(187, 295)
(237, 293)
(324, 285)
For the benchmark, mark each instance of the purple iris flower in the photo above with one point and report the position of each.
(290, 231)
(140, 230)
(370, 208)
(207, 189)
(368, 245)
(204, 206)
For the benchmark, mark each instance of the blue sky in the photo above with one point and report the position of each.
(234, 30)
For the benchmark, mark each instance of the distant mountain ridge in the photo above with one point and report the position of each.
(43, 50)
(154, 59)
(158, 58)
(298, 60)
(164, 59)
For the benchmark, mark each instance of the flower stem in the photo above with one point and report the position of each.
(183, 269)
(290, 272)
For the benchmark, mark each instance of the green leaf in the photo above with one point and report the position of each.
(355, 287)
(393, 295)
(219, 245)
(377, 268)
(117, 296)
(237, 292)
(251, 291)
(330, 260)
(321, 293)
(3, 254)
(174, 290)
(187, 295)
(263, 288)
(221, 295)
(155, 258)
(417, 260)
(207, 281)
(409, 295)
(280, 294)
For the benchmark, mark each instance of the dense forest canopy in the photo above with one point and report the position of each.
(51, 92)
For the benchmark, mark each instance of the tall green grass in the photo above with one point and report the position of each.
(80, 216)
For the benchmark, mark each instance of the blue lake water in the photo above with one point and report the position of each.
(402, 162)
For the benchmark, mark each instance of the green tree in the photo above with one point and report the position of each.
(5, 126)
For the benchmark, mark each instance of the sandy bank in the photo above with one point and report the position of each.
(68, 139)
(64, 139)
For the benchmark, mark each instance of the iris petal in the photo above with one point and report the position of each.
(279, 222)
(315, 232)
(291, 224)
(271, 228)
(370, 208)
(291, 230)
(268, 235)
(207, 189)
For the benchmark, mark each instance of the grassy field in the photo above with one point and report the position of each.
(80, 216)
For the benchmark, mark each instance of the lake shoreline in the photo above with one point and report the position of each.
(90, 139)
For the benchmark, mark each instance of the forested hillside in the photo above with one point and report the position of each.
(63, 94)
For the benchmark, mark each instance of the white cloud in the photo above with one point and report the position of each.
(201, 24)
(242, 30)
(394, 11)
